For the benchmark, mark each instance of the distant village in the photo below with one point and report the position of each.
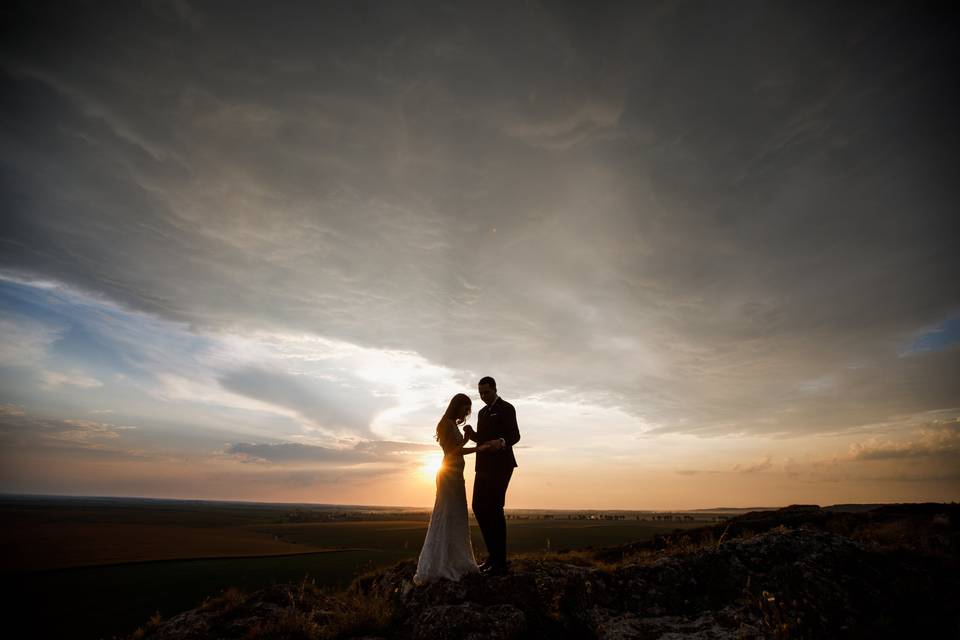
(673, 517)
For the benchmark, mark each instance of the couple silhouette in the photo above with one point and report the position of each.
(447, 549)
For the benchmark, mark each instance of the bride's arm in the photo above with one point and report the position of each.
(467, 436)
(454, 439)
(465, 451)
(481, 448)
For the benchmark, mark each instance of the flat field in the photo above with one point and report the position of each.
(97, 567)
(522, 535)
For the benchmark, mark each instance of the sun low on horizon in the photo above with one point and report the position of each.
(709, 257)
(432, 463)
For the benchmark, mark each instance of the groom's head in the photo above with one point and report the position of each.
(488, 389)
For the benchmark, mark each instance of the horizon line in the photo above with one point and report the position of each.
(4, 494)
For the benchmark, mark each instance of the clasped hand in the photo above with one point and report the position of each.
(490, 445)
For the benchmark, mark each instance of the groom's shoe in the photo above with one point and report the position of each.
(486, 565)
(497, 570)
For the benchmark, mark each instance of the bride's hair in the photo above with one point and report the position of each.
(457, 410)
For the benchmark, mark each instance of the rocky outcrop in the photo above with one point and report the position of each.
(791, 582)
(799, 581)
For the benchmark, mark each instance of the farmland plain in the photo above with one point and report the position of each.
(98, 567)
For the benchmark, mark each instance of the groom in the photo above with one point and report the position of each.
(496, 422)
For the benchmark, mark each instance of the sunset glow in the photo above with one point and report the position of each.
(261, 272)
(431, 465)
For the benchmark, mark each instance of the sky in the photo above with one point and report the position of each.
(250, 250)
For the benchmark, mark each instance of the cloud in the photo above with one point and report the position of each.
(320, 385)
(179, 10)
(20, 430)
(935, 440)
(563, 131)
(24, 343)
(305, 479)
(763, 465)
(11, 410)
(298, 453)
(331, 405)
(386, 449)
(943, 478)
(284, 479)
(939, 337)
(52, 379)
(90, 107)
(715, 240)
(84, 431)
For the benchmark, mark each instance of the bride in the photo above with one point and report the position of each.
(447, 551)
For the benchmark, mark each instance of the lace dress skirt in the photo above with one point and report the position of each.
(447, 550)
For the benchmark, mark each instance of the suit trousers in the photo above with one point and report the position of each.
(489, 494)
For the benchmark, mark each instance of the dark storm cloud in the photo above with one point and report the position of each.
(721, 219)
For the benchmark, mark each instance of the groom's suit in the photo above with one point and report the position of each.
(494, 469)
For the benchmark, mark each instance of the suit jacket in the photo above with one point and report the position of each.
(493, 422)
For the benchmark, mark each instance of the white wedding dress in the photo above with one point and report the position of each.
(447, 550)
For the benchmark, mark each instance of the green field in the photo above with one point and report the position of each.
(89, 602)
(523, 535)
(98, 602)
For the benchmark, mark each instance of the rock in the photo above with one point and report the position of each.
(706, 626)
(470, 622)
(185, 626)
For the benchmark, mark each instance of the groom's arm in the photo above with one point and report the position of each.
(511, 432)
